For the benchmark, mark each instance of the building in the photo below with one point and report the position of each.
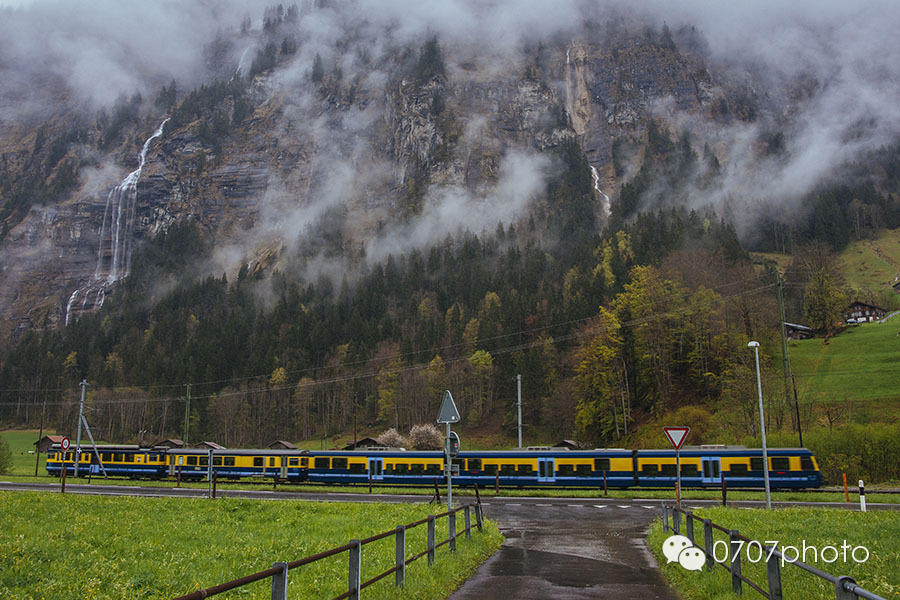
(209, 446)
(281, 445)
(860, 312)
(364, 444)
(169, 443)
(793, 331)
(47, 443)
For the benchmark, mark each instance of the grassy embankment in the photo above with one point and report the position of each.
(877, 532)
(73, 547)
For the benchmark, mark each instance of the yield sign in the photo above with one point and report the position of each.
(448, 412)
(676, 435)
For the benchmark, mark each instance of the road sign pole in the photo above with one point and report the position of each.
(449, 470)
(678, 477)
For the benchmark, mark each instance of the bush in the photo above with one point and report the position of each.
(392, 439)
(5, 457)
(425, 437)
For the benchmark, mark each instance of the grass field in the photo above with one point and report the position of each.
(74, 547)
(877, 532)
(872, 264)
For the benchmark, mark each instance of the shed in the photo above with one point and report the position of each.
(797, 332)
(281, 445)
(364, 443)
(570, 444)
(46, 443)
(169, 443)
(210, 446)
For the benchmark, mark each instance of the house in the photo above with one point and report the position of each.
(567, 444)
(797, 332)
(47, 443)
(281, 445)
(896, 284)
(860, 312)
(364, 444)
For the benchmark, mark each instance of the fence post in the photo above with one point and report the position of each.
(843, 594)
(478, 516)
(279, 582)
(430, 539)
(468, 521)
(708, 544)
(451, 519)
(676, 520)
(355, 569)
(689, 525)
(735, 546)
(400, 556)
(665, 518)
(773, 567)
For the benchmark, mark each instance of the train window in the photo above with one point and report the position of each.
(339, 463)
(756, 464)
(667, 470)
(649, 469)
(583, 470)
(129, 458)
(304, 462)
(417, 469)
(322, 462)
(229, 461)
(106, 457)
(738, 468)
(507, 469)
(358, 468)
(401, 468)
(204, 461)
(490, 469)
(474, 464)
(601, 464)
(388, 468)
(192, 461)
(271, 461)
(690, 471)
(526, 470)
(434, 469)
(293, 461)
(217, 461)
(119, 458)
(565, 470)
(806, 463)
(258, 461)
(781, 463)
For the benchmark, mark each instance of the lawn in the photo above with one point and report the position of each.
(877, 532)
(73, 546)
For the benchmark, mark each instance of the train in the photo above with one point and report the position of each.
(701, 466)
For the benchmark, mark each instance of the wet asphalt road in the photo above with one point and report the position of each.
(570, 551)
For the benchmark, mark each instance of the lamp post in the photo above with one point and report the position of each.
(762, 426)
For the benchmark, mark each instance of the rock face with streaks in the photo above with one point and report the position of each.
(364, 148)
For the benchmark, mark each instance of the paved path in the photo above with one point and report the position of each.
(569, 551)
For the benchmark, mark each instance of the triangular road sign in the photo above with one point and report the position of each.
(448, 413)
(676, 435)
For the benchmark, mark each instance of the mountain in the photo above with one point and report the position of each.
(261, 167)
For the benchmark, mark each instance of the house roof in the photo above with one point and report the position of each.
(796, 326)
(858, 303)
(53, 439)
(282, 444)
(212, 445)
(364, 443)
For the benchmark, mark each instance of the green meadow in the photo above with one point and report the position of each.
(876, 567)
(75, 547)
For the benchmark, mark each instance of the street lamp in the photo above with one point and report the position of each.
(762, 426)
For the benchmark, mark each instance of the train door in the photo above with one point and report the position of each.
(546, 470)
(376, 469)
(712, 472)
(284, 467)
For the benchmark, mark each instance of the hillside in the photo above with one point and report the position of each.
(312, 218)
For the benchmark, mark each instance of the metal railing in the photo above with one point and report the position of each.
(845, 588)
(279, 571)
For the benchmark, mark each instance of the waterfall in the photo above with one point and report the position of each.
(116, 239)
(606, 203)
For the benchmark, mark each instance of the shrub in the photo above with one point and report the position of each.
(425, 437)
(393, 439)
(5, 457)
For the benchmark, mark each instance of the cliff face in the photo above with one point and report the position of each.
(367, 150)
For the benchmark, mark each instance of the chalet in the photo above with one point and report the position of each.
(860, 312)
(364, 444)
(567, 444)
(281, 445)
(210, 446)
(47, 443)
(797, 332)
(169, 443)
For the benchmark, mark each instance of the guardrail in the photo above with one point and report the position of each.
(279, 571)
(845, 588)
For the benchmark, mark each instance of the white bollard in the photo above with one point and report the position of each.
(862, 497)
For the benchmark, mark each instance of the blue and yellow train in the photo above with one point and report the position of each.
(702, 466)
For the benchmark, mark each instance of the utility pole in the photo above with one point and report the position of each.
(785, 359)
(37, 453)
(519, 405)
(187, 414)
(84, 385)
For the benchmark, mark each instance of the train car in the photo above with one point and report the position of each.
(118, 460)
(706, 466)
(193, 463)
(389, 465)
